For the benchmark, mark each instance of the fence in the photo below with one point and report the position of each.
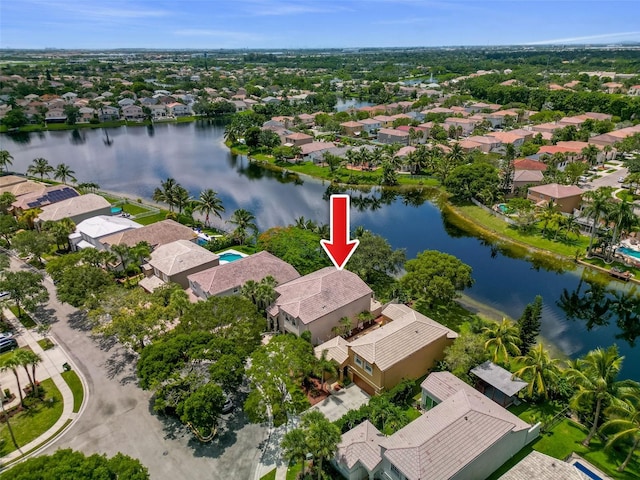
(493, 212)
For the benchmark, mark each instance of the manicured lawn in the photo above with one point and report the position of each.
(269, 476)
(24, 319)
(533, 413)
(75, 385)
(110, 199)
(157, 217)
(495, 224)
(46, 344)
(30, 424)
(293, 470)
(133, 209)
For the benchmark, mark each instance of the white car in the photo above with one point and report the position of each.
(620, 179)
(4, 295)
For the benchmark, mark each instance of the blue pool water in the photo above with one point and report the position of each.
(229, 257)
(503, 208)
(116, 210)
(628, 251)
(586, 471)
(201, 241)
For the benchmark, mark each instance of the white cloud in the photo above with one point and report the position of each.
(589, 38)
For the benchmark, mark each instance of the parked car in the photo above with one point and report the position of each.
(6, 335)
(4, 295)
(620, 179)
(8, 344)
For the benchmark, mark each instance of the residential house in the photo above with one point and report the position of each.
(307, 118)
(133, 113)
(528, 164)
(316, 302)
(499, 119)
(615, 136)
(20, 186)
(516, 139)
(634, 90)
(228, 279)
(539, 466)
(407, 345)
(89, 232)
(466, 124)
(76, 209)
(314, 150)
(485, 143)
(613, 87)
(108, 113)
(55, 115)
(298, 139)
(351, 128)
(546, 127)
(566, 197)
(45, 196)
(370, 125)
(391, 135)
(125, 102)
(174, 262)
(386, 121)
(465, 436)
(177, 109)
(156, 235)
(158, 112)
(86, 114)
(525, 178)
(481, 107)
(421, 133)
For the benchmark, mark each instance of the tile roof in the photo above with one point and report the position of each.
(441, 385)
(361, 444)
(156, 234)
(308, 148)
(180, 256)
(499, 378)
(319, 293)
(102, 225)
(337, 349)
(528, 176)
(555, 190)
(255, 267)
(393, 131)
(74, 206)
(538, 466)
(408, 332)
(448, 437)
(528, 164)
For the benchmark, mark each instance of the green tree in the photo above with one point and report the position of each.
(435, 277)
(82, 284)
(181, 198)
(209, 203)
(294, 447)
(63, 173)
(300, 247)
(597, 206)
(595, 376)
(322, 437)
(6, 159)
(244, 222)
(166, 193)
(30, 242)
(529, 325)
(25, 288)
(465, 353)
(374, 257)
(541, 371)
(621, 214)
(72, 112)
(60, 231)
(623, 424)
(27, 358)
(502, 340)
(40, 166)
(70, 464)
(15, 118)
(8, 227)
(11, 362)
(202, 408)
(467, 181)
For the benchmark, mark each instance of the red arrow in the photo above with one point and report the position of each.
(339, 248)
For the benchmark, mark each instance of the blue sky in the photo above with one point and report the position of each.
(273, 24)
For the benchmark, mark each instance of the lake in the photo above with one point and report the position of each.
(579, 314)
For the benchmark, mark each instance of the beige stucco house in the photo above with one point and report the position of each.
(76, 209)
(317, 302)
(566, 197)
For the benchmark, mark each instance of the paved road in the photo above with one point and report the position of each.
(118, 415)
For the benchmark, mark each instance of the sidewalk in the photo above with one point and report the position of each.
(51, 367)
(272, 453)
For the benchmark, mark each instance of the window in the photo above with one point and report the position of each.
(396, 472)
(367, 368)
(358, 360)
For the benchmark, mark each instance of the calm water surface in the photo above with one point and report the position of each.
(134, 160)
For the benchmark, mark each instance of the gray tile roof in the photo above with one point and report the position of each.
(255, 267)
(441, 385)
(180, 256)
(409, 332)
(538, 466)
(337, 349)
(360, 444)
(499, 378)
(448, 437)
(156, 234)
(73, 207)
(319, 293)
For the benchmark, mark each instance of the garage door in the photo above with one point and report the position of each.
(363, 385)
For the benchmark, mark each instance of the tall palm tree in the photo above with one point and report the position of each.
(63, 172)
(166, 193)
(141, 251)
(590, 153)
(623, 218)
(595, 377)
(624, 420)
(123, 253)
(209, 203)
(294, 447)
(599, 201)
(6, 159)
(28, 358)
(540, 370)
(547, 214)
(12, 363)
(40, 166)
(243, 220)
(503, 340)
(571, 225)
(456, 155)
(181, 197)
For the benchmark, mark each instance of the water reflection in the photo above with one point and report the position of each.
(77, 137)
(21, 138)
(596, 303)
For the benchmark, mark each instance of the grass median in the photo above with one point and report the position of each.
(75, 385)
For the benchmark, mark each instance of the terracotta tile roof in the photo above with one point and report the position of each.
(308, 148)
(351, 124)
(408, 332)
(156, 234)
(506, 137)
(298, 136)
(180, 256)
(319, 293)
(360, 444)
(232, 275)
(448, 437)
(393, 132)
(337, 349)
(551, 149)
(528, 164)
(556, 191)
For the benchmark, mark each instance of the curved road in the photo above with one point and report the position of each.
(117, 415)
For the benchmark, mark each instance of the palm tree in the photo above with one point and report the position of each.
(141, 251)
(540, 370)
(64, 173)
(181, 197)
(595, 376)
(322, 437)
(624, 420)
(456, 155)
(123, 253)
(209, 203)
(29, 217)
(166, 193)
(243, 220)
(571, 225)
(622, 215)
(503, 340)
(40, 166)
(326, 365)
(6, 159)
(547, 214)
(590, 153)
(12, 363)
(28, 358)
(599, 201)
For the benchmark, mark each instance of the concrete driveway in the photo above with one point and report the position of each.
(118, 416)
(339, 403)
(608, 179)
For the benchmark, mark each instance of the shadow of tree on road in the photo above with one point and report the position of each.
(45, 316)
(79, 320)
(122, 364)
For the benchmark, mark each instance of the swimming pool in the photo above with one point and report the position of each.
(229, 257)
(503, 208)
(629, 252)
(201, 241)
(116, 210)
(586, 471)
